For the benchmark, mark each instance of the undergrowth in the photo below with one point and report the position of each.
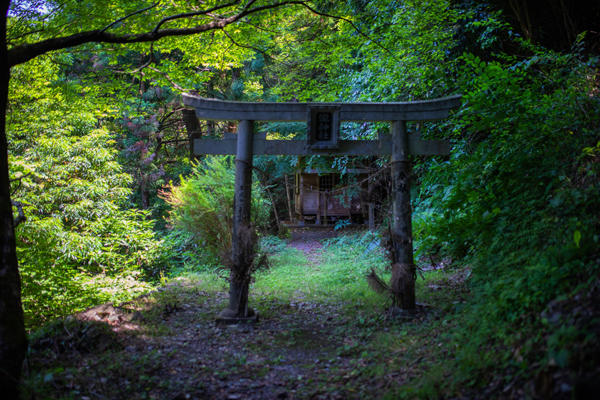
(447, 349)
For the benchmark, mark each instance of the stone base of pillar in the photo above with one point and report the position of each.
(228, 317)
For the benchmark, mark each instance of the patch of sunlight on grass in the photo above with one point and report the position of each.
(209, 281)
(338, 275)
(288, 274)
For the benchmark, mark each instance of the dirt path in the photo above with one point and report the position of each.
(308, 241)
(288, 355)
(167, 346)
(173, 350)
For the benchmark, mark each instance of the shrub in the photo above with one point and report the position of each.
(202, 205)
(79, 246)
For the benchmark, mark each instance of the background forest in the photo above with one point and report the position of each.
(110, 205)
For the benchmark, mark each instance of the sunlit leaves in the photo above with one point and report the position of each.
(74, 193)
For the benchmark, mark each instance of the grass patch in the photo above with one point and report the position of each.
(335, 276)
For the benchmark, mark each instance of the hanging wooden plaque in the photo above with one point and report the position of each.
(323, 127)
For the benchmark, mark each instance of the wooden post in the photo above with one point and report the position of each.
(403, 267)
(326, 202)
(242, 240)
(193, 128)
(318, 220)
(370, 205)
(289, 200)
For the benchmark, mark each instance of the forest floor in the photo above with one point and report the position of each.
(322, 334)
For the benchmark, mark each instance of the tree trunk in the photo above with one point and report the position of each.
(193, 128)
(403, 267)
(272, 200)
(144, 193)
(13, 341)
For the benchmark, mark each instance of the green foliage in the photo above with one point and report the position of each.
(202, 206)
(382, 51)
(516, 203)
(79, 245)
(272, 244)
(518, 198)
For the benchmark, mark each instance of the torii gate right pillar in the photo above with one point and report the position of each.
(403, 266)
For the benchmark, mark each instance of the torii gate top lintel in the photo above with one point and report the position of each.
(213, 109)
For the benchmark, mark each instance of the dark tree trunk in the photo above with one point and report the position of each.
(370, 204)
(13, 342)
(144, 193)
(193, 128)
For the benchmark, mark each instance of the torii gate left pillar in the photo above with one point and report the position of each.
(242, 251)
(323, 125)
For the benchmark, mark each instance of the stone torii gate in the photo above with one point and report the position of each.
(323, 121)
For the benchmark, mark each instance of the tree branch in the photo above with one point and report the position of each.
(21, 217)
(23, 53)
(127, 16)
(169, 114)
(19, 181)
(167, 77)
(244, 46)
(361, 33)
(193, 14)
